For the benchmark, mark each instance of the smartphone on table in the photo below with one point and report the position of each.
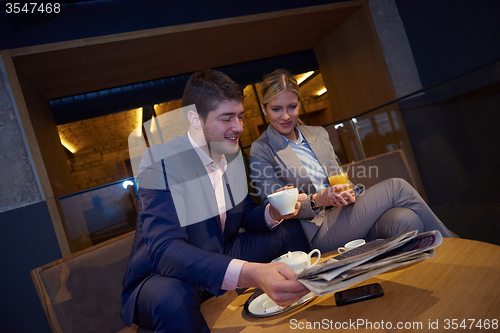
(358, 294)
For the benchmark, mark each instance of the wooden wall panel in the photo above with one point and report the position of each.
(47, 138)
(356, 76)
(353, 66)
(80, 66)
(50, 161)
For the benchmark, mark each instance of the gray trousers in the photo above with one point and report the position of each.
(382, 211)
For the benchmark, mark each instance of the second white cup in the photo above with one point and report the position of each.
(351, 245)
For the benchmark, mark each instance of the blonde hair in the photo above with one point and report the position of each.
(277, 83)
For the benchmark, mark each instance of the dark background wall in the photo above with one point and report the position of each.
(28, 241)
(450, 37)
(447, 37)
(453, 127)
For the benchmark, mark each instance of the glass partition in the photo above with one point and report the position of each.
(373, 134)
(100, 213)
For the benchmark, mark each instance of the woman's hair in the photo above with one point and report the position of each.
(276, 83)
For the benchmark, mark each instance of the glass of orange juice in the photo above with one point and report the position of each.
(338, 176)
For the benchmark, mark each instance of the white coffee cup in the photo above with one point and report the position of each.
(298, 260)
(351, 245)
(284, 201)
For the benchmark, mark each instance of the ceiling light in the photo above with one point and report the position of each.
(321, 92)
(152, 127)
(302, 77)
(67, 145)
(138, 129)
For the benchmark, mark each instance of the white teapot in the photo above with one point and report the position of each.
(298, 260)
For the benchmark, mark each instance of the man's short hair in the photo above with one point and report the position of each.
(206, 89)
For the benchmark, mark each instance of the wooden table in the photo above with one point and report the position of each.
(459, 287)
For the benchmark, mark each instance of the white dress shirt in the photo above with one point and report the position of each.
(216, 171)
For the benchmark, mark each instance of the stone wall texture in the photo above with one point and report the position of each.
(18, 185)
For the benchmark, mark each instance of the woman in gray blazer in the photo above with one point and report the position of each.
(289, 153)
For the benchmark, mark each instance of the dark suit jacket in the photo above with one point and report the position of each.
(274, 164)
(185, 240)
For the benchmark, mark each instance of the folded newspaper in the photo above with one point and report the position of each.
(373, 258)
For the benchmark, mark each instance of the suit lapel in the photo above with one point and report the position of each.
(205, 185)
(288, 157)
(201, 171)
(319, 149)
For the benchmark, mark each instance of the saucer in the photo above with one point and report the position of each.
(261, 305)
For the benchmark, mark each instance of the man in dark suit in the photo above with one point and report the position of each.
(193, 203)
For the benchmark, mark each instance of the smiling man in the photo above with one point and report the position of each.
(193, 202)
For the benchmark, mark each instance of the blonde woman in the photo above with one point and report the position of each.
(289, 153)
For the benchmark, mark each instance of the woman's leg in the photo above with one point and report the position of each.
(394, 222)
(356, 221)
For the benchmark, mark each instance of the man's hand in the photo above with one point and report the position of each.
(276, 279)
(275, 214)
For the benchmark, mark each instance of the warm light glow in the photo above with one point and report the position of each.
(153, 126)
(138, 130)
(67, 145)
(302, 77)
(321, 92)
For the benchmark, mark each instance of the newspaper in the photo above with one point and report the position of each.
(373, 258)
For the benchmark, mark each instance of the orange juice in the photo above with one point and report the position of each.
(341, 178)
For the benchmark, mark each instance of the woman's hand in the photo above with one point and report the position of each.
(343, 198)
(336, 195)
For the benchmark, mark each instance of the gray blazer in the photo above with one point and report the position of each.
(274, 164)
